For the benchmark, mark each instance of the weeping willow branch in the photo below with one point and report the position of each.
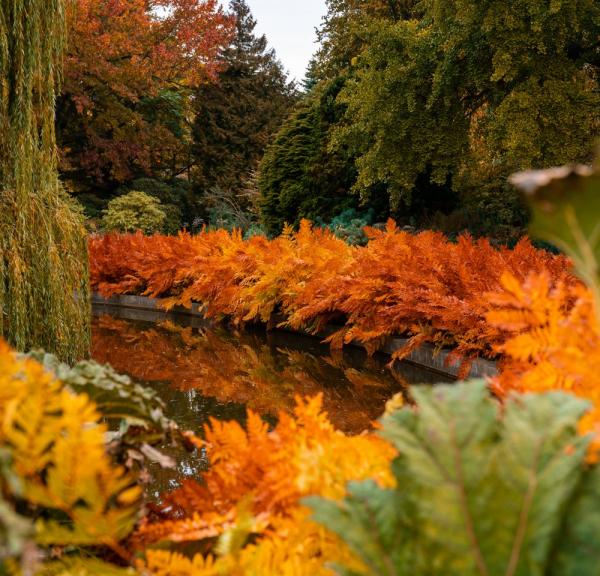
(44, 291)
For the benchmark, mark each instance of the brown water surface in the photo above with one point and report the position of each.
(204, 371)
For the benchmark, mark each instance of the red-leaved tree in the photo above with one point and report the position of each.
(130, 63)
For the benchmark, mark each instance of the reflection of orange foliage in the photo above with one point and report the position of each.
(421, 285)
(555, 343)
(244, 370)
(271, 472)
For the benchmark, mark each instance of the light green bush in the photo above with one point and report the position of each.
(134, 211)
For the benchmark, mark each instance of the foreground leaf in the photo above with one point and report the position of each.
(478, 494)
(565, 203)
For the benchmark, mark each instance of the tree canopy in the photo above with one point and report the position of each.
(473, 84)
(130, 66)
(441, 101)
(299, 176)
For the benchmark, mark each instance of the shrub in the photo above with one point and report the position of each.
(134, 211)
(229, 210)
(92, 204)
(178, 198)
(173, 222)
(419, 285)
(485, 210)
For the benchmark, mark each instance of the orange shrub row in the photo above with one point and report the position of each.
(422, 286)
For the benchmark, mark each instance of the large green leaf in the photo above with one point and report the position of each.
(447, 459)
(370, 521)
(578, 548)
(565, 204)
(482, 490)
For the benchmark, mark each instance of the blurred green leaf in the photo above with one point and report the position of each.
(578, 552)
(370, 520)
(565, 204)
(479, 492)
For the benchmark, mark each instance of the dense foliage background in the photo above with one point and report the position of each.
(177, 99)
(436, 103)
(415, 110)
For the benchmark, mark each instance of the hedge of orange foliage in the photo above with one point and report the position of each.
(422, 285)
(521, 305)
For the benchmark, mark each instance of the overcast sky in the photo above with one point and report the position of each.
(290, 28)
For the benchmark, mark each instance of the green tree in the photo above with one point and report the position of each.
(299, 176)
(236, 116)
(344, 32)
(134, 211)
(44, 292)
(471, 91)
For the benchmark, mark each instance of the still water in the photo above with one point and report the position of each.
(203, 371)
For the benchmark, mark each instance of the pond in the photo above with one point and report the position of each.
(203, 371)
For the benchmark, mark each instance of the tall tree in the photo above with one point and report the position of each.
(130, 68)
(345, 31)
(299, 176)
(471, 91)
(237, 115)
(44, 295)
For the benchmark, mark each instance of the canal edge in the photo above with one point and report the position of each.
(426, 356)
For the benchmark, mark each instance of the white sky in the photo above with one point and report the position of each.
(290, 28)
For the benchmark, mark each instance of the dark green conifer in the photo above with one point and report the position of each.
(299, 176)
(236, 116)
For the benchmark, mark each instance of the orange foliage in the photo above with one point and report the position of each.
(56, 445)
(124, 52)
(521, 305)
(554, 342)
(256, 480)
(419, 285)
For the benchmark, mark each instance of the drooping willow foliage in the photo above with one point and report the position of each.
(44, 291)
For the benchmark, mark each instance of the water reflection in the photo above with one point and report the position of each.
(261, 371)
(204, 372)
